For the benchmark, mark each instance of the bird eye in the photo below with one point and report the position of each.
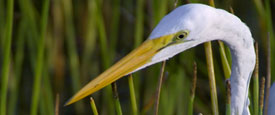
(182, 35)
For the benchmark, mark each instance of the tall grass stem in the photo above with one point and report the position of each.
(18, 62)
(225, 64)
(256, 83)
(193, 90)
(105, 52)
(93, 106)
(6, 57)
(57, 104)
(268, 71)
(159, 88)
(139, 22)
(73, 58)
(228, 98)
(40, 58)
(262, 93)
(132, 95)
(116, 99)
(211, 75)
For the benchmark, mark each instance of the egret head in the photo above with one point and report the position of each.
(183, 28)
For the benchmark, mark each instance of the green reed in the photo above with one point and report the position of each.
(256, 83)
(73, 58)
(193, 89)
(93, 106)
(95, 33)
(6, 57)
(40, 58)
(132, 95)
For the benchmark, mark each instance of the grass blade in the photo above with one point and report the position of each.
(132, 95)
(105, 53)
(46, 92)
(270, 36)
(116, 99)
(268, 76)
(211, 73)
(114, 25)
(2, 22)
(40, 58)
(6, 58)
(72, 49)
(193, 90)
(93, 106)
(225, 64)
(139, 23)
(159, 88)
(262, 93)
(56, 105)
(228, 99)
(256, 83)
(18, 62)
(89, 40)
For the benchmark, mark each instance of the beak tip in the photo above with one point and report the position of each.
(68, 102)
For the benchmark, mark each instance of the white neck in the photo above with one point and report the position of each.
(241, 45)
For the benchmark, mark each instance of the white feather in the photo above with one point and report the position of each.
(206, 23)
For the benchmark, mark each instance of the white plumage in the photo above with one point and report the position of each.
(206, 23)
(201, 23)
(271, 101)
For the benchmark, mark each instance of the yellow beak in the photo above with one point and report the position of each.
(137, 58)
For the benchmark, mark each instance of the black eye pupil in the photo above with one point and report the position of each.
(181, 36)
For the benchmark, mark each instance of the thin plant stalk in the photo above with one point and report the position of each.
(90, 38)
(225, 64)
(193, 90)
(2, 21)
(138, 38)
(159, 87)
(58, 46)
(18, 61)
(72, 49)
(160, 9)
(47, 96)
(228, 98)
(33, 32)
(6, 57)
(116, 99)
(57, 104)
(114, 25)
(40, 58)
(46, 92)
(262, 93)
(138, 35)
(268, 76)
(211, 73)
(105, 52)
(265, 17)
(139, 23)
(270, 37)
(93, 106)
(256, 83)
(132, 95)
(102, 37)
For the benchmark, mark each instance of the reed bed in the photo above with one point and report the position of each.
(51, 48)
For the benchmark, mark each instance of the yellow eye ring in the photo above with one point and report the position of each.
(182, 35)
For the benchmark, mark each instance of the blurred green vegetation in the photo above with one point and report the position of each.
(57, 46)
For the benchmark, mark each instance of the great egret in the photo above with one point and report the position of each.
(185, 27)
